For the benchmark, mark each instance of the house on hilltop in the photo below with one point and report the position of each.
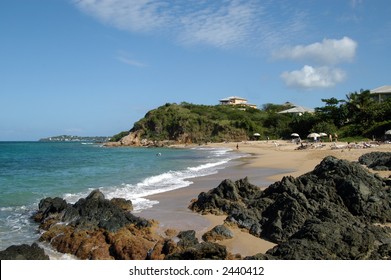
(381, 93)
(236, 101)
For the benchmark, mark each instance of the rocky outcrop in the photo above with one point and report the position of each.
(122, 203)
(23, 252)
(97, 228)
(94, 228)
(132, 139)
(218, 233)
(135, 139)
(189, 248)
(334, 234)
(325, 214)
(89, 213)
(376, 160)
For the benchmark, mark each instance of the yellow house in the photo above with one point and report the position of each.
(236, 101)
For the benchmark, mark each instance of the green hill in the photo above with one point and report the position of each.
(358, 117)
(190, 123)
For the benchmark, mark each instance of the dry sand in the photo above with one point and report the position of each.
(267, 162)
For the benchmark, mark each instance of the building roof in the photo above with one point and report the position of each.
(382, 89)
(233, 97)
(297, 110)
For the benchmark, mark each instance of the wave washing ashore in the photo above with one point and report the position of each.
(30, 171)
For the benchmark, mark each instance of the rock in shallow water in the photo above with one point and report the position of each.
(23, 252)
(98, 228)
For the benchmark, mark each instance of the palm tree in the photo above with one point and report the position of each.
(360, 108)
(359, 101)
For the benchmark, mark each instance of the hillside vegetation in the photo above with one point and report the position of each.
(357, 117)
(190, 123)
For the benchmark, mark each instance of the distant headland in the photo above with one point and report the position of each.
(72, 138)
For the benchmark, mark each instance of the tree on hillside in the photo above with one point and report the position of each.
(303, 124)
(360, 107)
(358, 115)
(332, 112)
(275, 108)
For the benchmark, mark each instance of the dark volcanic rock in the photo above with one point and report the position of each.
(219, 232)
(187, 239)
(89, 213)
(49, 206)
(376, 160)
(325, 214)
(95, 228)
(333, 235)
(189, 248)
(122, 203)
(227, 197)
(98, 228)
(23, 252)
(201, 251)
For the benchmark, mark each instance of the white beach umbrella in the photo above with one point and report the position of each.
(388, 132)
(313, 135)
(322, 134)
(295, 135)
(256, 134)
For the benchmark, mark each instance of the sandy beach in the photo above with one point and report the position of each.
(265, 162)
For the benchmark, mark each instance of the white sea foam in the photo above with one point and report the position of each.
(207, 166)
(16, 227)
(167, 181)
(55, 255)
(6, 208)
(170, 180)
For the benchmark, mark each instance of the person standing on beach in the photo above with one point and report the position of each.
(237, 146)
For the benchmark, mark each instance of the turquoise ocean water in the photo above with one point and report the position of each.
(30, 171)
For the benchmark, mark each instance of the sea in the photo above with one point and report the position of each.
(31, 171)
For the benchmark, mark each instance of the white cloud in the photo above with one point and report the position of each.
(327, 52)
(221, 24)
(134, 15)
(309, 77)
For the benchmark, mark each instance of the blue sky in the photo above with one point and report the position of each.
(94, 67)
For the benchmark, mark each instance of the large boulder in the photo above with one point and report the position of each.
(97, 228)
(226, 197)
(333, 234)
(89, 213)
(377, 160)
(218, 233)
(189, 248)
(23, 252)
(49, 206)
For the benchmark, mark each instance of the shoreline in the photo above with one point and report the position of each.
(263, 163)
(267, 163)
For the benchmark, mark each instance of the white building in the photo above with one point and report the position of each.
(236, 101)
(381, 93)
(298, 110)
